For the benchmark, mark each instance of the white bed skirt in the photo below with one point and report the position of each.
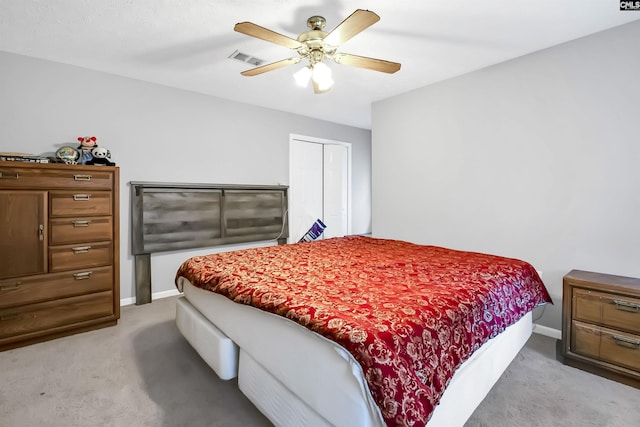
(299, 378)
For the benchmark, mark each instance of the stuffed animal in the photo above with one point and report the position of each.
(100, 156)
(87, 143)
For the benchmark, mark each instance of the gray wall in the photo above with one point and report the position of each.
(536, 158)
(157, 133)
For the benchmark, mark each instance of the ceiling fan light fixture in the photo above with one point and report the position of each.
(322, 88)
(303, 76)
(321, 76)
(324, 85)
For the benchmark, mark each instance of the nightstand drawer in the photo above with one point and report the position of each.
(615, 311)
(75, 203)
(37, 317)
(585, 339)
(607, 345)
(45, 287)
(621, 349)
(81, 255)
(84, 229)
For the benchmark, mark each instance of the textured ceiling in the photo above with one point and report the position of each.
(187, 43)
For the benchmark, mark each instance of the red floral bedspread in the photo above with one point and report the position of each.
(409, 314)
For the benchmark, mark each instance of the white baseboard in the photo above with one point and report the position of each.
(157, 295)
(547, 331)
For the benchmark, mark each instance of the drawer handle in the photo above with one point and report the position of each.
(9, 316)
(4, 175)
(83, 276)
(81, 223)
(82, 177)
(627, 306)
(10, 287)
(81, 196)
(627, 342)
(81, 249)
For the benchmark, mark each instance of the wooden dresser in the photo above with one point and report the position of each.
(601, 325)
(59, 250)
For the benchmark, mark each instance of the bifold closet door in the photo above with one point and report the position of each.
(306, 191)
(335, 190)
(318, 188)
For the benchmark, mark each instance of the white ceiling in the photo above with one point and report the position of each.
(186, 43)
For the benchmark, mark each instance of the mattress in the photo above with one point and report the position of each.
(297, 377)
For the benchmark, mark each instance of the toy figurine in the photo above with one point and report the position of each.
(87, 143)
(100, 156)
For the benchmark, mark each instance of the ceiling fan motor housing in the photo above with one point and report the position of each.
(314, 47)
(313, 38)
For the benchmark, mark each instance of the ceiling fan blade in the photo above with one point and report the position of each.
(365, 62)
(270, 67)
(259, 32)
(355, 23)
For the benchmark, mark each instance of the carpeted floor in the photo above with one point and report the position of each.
(143, 373)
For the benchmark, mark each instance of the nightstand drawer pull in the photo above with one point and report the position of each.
(81, 223)
(81, 249)
(9, 316)
(4, 175)
(82, 197)
(627, 342)
(82, 177)
(82, 276)
(10, 287)
(627, 306)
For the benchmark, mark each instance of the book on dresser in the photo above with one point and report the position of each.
(59, 250)
(23, 157)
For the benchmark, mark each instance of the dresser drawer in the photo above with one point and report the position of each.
(80, 256)
(607, 309)
(85, 229)
(47, 177)
(39, 317)
(75, 203)
(34, 289)
(607, 345)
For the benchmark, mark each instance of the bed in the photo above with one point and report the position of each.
(358, 331)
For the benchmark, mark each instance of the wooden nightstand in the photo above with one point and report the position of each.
(601, 325)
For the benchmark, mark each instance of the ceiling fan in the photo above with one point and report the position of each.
(317, 45)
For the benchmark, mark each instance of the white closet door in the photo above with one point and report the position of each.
(335, 190)
(306, 187)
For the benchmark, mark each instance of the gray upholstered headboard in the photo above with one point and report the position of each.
(177, 216)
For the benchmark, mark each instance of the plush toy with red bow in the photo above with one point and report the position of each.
(87, 143)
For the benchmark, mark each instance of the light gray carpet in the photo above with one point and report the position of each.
(143, 373)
